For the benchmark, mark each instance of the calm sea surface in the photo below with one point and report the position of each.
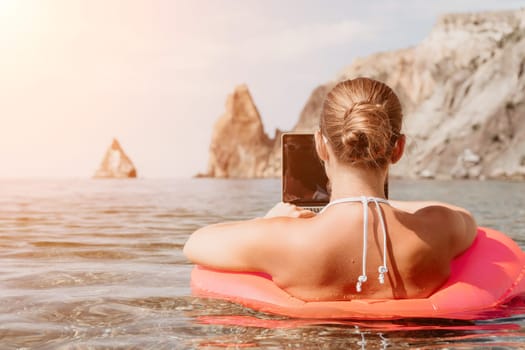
(99, 264)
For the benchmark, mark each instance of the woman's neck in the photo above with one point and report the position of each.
(349, 181)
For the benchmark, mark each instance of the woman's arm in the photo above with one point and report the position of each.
(252, 245)
(235, 246)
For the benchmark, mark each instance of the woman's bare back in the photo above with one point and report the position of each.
(328, 258)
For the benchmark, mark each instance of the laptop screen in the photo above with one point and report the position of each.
(304, 181)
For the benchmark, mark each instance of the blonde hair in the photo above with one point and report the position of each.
(361, 118)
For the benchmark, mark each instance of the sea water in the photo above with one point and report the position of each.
(98, 264)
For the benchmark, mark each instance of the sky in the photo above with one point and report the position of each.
(155, 74)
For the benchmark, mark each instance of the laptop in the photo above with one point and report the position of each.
(303, 179)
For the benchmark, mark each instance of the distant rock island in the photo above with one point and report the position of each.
(116, 164)
(463, 93)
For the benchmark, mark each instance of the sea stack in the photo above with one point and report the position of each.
(239, 146)
(116, 164)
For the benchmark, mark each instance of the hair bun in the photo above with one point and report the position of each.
(362, 120)
(366, 134)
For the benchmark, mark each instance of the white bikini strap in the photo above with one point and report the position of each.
(364, 201)
(382, 269)
(354, 199)
(362, 279)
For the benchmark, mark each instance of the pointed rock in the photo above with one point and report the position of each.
(239, 146)
(116, 164)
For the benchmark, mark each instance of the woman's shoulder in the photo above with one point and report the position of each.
(451, 225)
(414, 207)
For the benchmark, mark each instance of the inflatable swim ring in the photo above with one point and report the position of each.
(486, 275)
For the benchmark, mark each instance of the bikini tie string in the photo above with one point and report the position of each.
(383, 269)
(363, 278)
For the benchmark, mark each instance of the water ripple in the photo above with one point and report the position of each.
(99, 264)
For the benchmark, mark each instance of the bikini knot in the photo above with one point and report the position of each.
(360, 280)
(382, 270)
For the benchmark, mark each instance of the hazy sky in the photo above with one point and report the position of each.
(155, 74)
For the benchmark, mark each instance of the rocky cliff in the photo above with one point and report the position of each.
(116, 164)
(463, 90)
(463, 94)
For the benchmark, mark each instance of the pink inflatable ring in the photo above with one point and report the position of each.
(488, 274)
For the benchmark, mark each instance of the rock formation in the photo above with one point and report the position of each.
(463, 94)
(463, 91)
(116, 164)
(308, 122)
(239, 146)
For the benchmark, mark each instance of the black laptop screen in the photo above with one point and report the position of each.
(304, 180)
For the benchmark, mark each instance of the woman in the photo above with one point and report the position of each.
(360, 245)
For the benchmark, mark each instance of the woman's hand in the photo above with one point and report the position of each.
(290, 210)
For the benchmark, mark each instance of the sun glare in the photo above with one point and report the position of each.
(9, 8)
(16, 15)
